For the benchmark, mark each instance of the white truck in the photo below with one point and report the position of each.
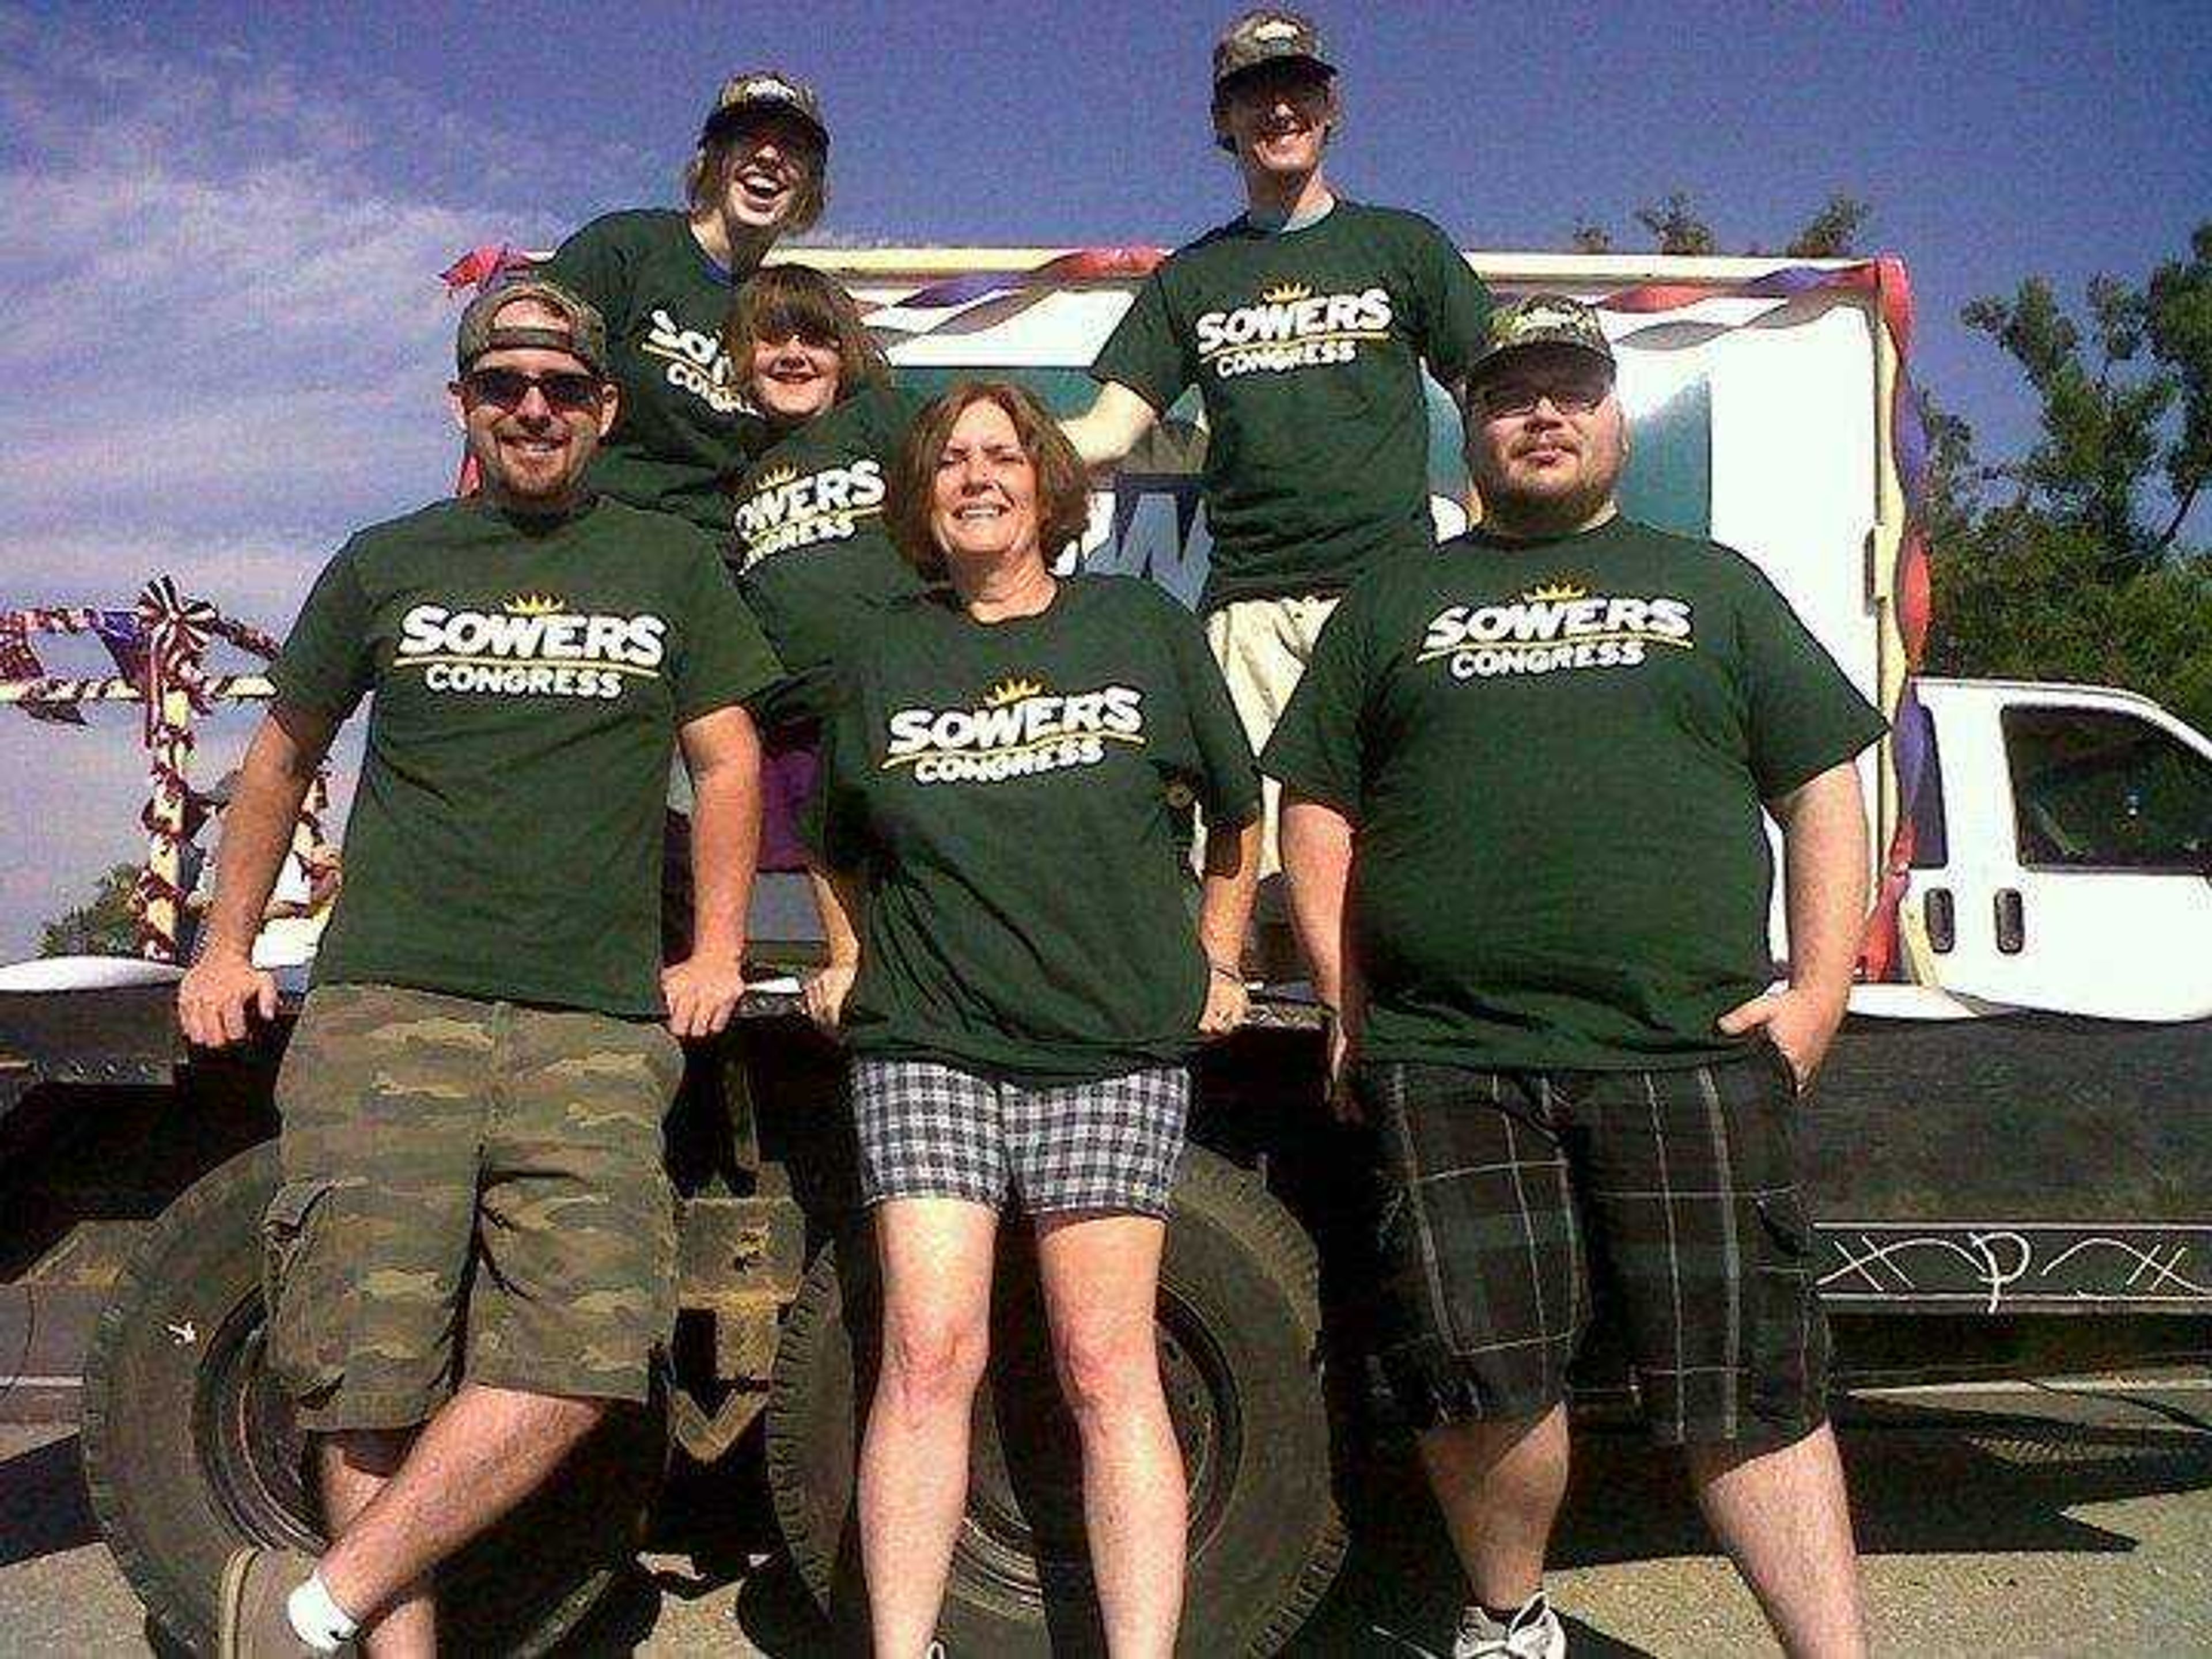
(2014, 1131)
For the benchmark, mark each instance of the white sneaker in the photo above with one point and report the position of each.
(1533, 1632)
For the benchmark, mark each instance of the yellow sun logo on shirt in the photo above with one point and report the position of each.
(1555, 593)
(775, 478)
(534, 605)
(1286, 294)
(1007, 691)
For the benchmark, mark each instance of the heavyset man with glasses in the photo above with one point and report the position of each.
(472, 1254)
(1537, 760)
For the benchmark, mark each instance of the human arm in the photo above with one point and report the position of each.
(1823, 862)
(216, 995)
(721, 752)
(1224, 907)
(1116, 421)
(1317, 867)
(1456, 309)
(840, 895)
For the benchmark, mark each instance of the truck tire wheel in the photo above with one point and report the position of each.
(1238, 1342)
(190, 1448)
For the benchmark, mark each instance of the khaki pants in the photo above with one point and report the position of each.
(1263, 647)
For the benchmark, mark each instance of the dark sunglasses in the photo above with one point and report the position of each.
(566, 391)
(1571, 394)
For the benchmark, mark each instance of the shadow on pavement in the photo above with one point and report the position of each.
(42, 1504)
(1922, 1482)
(714, 1528)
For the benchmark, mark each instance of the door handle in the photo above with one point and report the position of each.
(1941, 917)
(2012, 921)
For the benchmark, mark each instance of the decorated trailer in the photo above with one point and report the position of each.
(2010, 1151)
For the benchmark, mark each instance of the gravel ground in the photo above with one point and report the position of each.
(2052, 1524)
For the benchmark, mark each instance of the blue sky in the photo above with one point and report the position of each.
(222, 345)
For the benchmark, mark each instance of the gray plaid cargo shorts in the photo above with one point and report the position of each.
(1513, 1201)
(928, 1130)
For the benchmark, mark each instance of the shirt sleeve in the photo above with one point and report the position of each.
(1143, 353)
(328, 661)
(1455, 303)
(1319, 748)
(590, 264)
(1225, 781)
(1802, 714)
(833, 824)
(722, 657)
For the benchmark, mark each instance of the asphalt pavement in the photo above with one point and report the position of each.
(2062, 1522)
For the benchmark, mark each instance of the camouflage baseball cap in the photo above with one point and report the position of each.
(755, 90)
(1266, 36)
(1539, 319)
(584, 338)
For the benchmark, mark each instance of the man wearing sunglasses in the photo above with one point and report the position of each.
(1555, 743)
(471, 1250)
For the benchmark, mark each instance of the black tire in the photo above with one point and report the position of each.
(1240, 1352)
(190, 1448)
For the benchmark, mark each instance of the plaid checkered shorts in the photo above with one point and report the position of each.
(932, 1131)
(1514, 1200)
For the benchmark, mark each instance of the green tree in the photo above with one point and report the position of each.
(1677, 225)
(2126, 400)
(1833, 232)
(105, 926)
(1589, 237)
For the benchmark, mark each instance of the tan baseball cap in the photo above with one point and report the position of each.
(584, 338)
(1266, 36)
(763, 90)
(1539, 319)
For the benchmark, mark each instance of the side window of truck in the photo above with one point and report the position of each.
(2094, 789)
(1931, 830)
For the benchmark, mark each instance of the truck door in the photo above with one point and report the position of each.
(2079, 874)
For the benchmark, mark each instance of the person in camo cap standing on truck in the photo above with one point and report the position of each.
(664, 279)
(473, 1249)
(1304, 323)
(1525, 779)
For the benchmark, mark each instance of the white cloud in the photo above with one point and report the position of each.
(223, 346)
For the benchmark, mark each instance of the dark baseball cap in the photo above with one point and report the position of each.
(1266, 36)
(584, 338)
(762, 91)
(1539, 319)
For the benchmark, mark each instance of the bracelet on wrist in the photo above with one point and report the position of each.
(1223, 971)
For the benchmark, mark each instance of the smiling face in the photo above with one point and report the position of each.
(795, 379)
(1546, 441)
(1277, 119)
(983, 498)
(533, 415)
(770, 167)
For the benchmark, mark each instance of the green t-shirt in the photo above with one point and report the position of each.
(685, 424)
(529, 680)
(1554, 754)
(810, 548)
(1306, 346)
(1017, 798)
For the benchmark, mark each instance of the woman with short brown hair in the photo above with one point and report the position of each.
(1004, 815)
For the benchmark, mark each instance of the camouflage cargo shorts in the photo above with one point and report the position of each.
(470, 1190)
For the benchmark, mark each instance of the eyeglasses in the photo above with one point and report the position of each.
(1570, 395)
(566, 391)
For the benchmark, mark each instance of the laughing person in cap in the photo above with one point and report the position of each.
(664, 279)
(1304, 324)
(1540, 762)
(471, 1249)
